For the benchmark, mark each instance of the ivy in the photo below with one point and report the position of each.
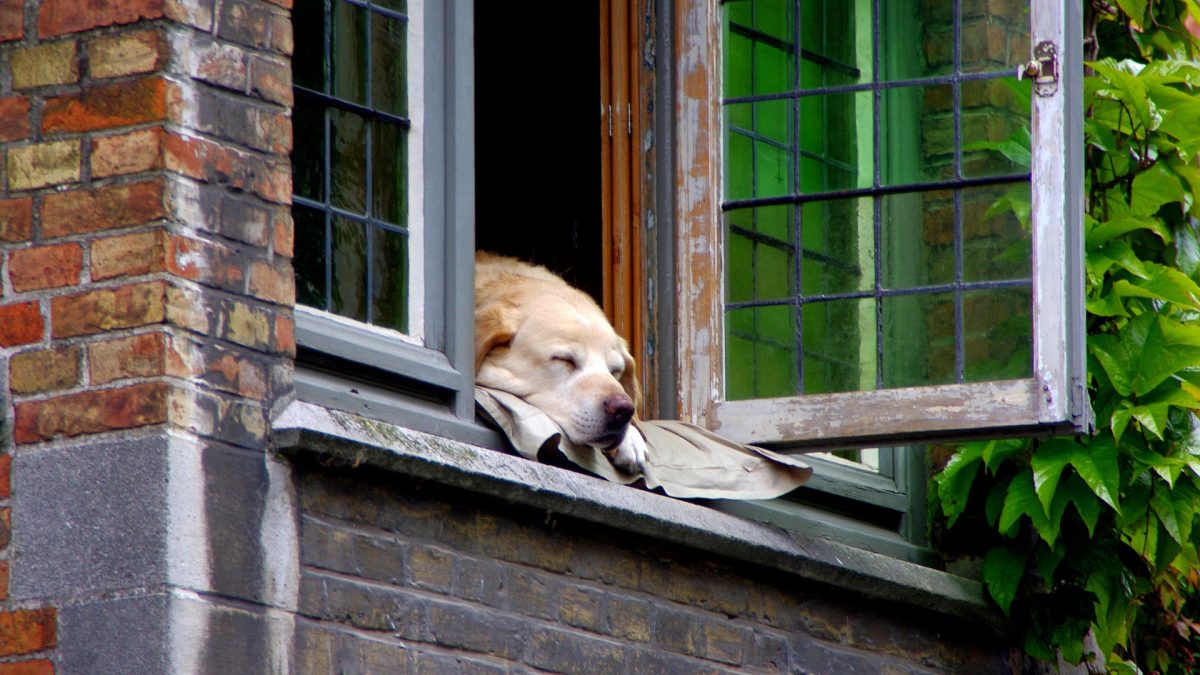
(1091, 544)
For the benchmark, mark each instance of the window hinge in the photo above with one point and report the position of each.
(1043, 69)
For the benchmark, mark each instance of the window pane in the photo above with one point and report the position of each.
(919, 340)
(388, 65)
(390, 279)
(839, 346)
(996, 235)
(838, 246)
(348, 161)
(308, 27)
(349, 269)
(917, 139)
(995, 127)
(918, 239)
(348, 52)
(762, 352)
(996, 331)
(389, 188)
(310, 257)
(308, 153)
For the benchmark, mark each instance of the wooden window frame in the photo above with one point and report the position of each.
(1053, 400)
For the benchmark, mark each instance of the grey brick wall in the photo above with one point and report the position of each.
(403, 575)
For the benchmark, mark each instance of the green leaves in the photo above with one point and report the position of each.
(1002, 573)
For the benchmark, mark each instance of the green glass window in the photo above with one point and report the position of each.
(876, 197)
(350, 162)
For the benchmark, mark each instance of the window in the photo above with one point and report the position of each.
(877, 268)
(383, 174)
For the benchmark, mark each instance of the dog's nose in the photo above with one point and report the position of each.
(619, 409)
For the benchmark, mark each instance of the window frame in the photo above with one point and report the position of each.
(1053, 400)
(338, 357)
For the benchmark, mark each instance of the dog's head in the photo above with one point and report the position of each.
(552, 346)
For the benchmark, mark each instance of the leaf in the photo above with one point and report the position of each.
(1126, 87)
(1086, 505)
(1182, 123)
(1096, 464)
(954, 481)
(995, 452)
(1002, 574)
(1022, 500)
(1134, 9)
(1048, 463)
(1104, 232)
(1164, 283)
(1154, 187)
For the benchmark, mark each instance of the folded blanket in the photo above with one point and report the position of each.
(684, 460)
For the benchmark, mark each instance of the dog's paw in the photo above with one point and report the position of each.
(630, 454)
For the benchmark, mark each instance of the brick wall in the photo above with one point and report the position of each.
(404, 576)
(145, 294)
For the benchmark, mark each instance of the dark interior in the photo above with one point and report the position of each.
(537, 144)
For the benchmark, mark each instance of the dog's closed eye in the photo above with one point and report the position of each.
(567, 360)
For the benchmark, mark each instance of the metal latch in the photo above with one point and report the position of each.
(1043, 69)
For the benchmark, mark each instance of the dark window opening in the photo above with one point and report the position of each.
(537, 144)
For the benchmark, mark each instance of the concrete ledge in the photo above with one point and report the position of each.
(336, 436)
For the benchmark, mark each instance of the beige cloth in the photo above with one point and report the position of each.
(683, 459)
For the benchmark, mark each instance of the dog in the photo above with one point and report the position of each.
(549, 343)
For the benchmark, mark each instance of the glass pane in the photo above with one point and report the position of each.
(390, 283)
(918, 340)
(310, 256)
(389, 163)
(995, 127)
(839, 346)
(918, 239)
(835, 142)
(997, 331)
(308, 156)
(348, 161)
(388, 65)
(757, 268)
(397, 5)
(996, 236)
(308, 25)
(349, 269)
(839, 246)
(918, 142)
(349, 52)
(995, 36)
(761, 352)
(915, 39)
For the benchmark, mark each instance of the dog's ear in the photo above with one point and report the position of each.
(494, 327)
(629, 378)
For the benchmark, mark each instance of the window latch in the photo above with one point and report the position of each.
(1043, 69)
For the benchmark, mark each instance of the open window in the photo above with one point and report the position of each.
(890, 220)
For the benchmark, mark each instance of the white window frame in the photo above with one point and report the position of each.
(1053, 400)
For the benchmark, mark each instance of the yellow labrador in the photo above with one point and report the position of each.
(540, 339)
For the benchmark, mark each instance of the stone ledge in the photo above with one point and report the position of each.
(332, 435)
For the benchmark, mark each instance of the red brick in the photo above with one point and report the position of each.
(59, 17)
(5, 527)
(107, 107)
(126, 54)
(205, 262)
(25, 631)
(20, 324)
(12, 20)
(117, 206)
(14, 118)
(137, 356)
(45, 267)
(108, 308)
(91, 412)
(127, 153)
(5, 476)
(3, 597)
(16, 219)
(271, 81)
(44, 370)
(35, 667)
(285, 335)
(128, 255)
(284, 236)
(273, 283)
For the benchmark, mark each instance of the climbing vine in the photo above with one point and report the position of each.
(1090, 544)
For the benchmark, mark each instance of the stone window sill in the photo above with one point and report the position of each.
(343, 438)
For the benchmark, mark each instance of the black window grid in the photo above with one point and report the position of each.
(877, 191)
(330, 103)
